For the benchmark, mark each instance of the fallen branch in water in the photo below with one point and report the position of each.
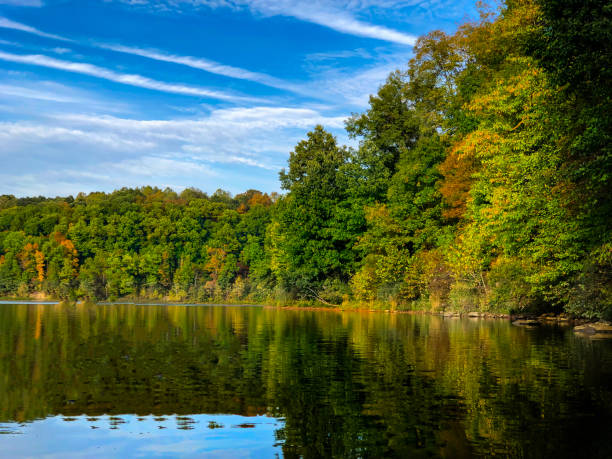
(317, 297)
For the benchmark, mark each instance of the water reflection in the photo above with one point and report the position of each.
(298, 383)
(144, 436)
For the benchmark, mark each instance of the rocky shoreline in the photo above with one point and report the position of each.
(591, 328)
(518, 318)
(595, 330)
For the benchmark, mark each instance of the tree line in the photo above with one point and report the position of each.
(480, 181)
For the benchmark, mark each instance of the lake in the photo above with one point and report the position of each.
(213, 381)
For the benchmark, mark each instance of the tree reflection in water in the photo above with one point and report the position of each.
(344, 384)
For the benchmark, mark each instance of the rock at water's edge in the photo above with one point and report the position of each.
(526, 323)
(548, 316)
(450, 314)
(601, 329)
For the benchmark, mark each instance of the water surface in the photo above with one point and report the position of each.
(193, 381)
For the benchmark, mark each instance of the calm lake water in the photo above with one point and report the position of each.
(197, 381)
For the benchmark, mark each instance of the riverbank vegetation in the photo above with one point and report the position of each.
(480, 182)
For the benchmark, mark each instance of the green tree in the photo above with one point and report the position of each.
(316, 235)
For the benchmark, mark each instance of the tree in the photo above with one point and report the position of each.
(316, 233)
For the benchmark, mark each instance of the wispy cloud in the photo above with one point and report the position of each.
(329, 82)
(33, 133)
(245, 147)
(24, 96)
(338, 15)
(353, 89)
(32, 93)
(8, 24)
(123, 78)
(334, 55)
(226, 131)
(350, 88)
(107, 176)
(61, 50)
(203, 64)
(199, 63)
(155, 166)
(333, 16)
(9, 43)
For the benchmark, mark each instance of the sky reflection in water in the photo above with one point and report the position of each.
(142, 436)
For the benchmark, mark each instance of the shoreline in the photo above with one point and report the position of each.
(548, 318)
(526, 319)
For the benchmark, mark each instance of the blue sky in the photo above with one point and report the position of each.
(101, 94)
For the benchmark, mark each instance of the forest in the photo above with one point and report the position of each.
(480, 181)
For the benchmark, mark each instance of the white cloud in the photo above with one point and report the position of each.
(199, 63)
(353, 88)
(228, 130)
(25, 96)
(32, 93)
(338, 15)
(350, 88)
(23, 133)
(205, 65)
(61, 50)
(123, 78)
(241, 147)
(224, 133)
(343, 54)
(155, 166)
(333, 16)
(8, 24)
